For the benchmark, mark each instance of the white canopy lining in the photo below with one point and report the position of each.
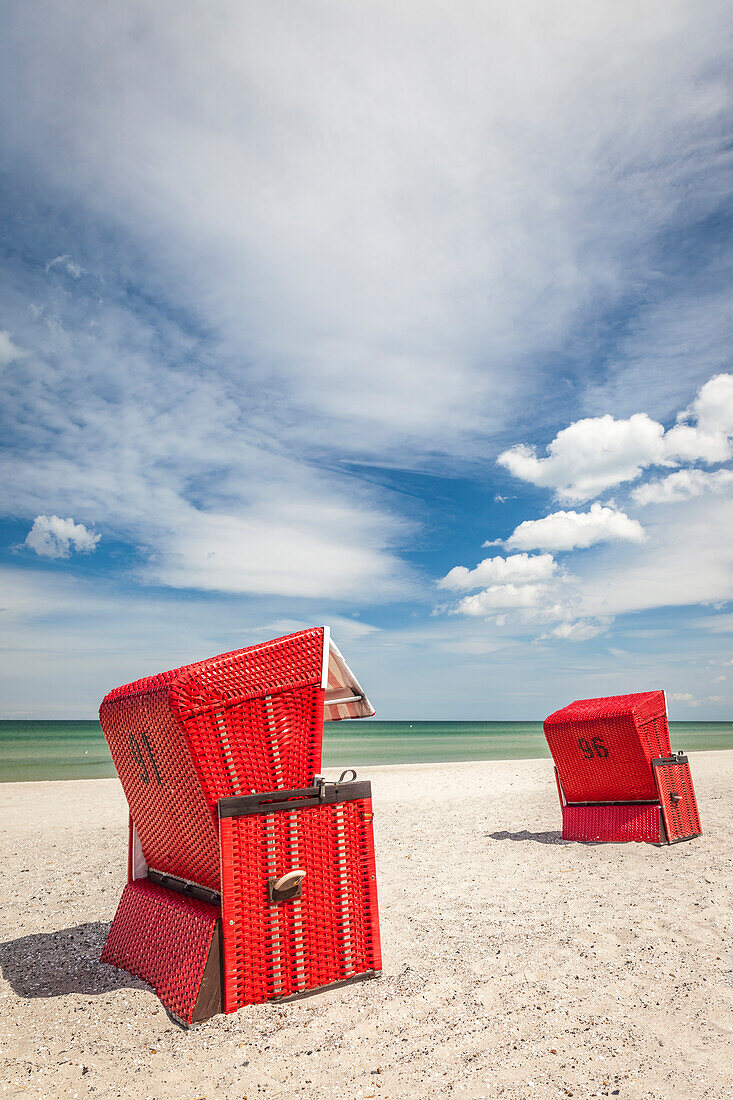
(345, 696)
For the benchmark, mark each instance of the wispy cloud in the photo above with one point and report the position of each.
(68, 265)
(683, 485)
(579, 631)
(390, 241)
(9, 351)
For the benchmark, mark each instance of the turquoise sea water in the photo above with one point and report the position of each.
(77, 750)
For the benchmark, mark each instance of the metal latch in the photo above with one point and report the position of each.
(288, 887)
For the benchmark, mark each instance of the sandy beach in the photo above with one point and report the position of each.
(515, 965)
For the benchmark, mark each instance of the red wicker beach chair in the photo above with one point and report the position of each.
(249, 876)
(616, 775)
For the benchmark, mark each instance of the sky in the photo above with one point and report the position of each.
(413, 319)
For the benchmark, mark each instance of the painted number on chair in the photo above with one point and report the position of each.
(139, 757)
(592, 749)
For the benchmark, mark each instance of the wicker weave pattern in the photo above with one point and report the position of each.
(176, 827)
(331, 933)
(603, 748)
(279, 665)
(185, 738)
(267, 744)
(164, 939)
(611, 823)
(681, 817)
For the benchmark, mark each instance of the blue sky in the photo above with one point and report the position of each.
(411, 319)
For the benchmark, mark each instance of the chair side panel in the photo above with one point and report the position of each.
(330, 934)
(164, 939)
(601, 759)
(679, 805)
(651, 721)
(612, 823)
(177, 828)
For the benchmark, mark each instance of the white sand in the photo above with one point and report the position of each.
(515, 965)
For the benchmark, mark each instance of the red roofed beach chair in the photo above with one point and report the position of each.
(616, 775)
(250, 877)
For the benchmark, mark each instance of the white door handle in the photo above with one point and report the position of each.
(286, 888)
(288, 881)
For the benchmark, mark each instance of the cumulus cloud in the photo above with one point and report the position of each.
(682, 697)
(590, 455)
(683, 485)
(593, 454)
(53, 537)
(704, 429)
(516, 569)
(500, 596)
(575, 530)
(9, 350)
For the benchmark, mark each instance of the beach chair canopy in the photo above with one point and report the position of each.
(616, 774)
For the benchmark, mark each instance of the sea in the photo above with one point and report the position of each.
(34, 750)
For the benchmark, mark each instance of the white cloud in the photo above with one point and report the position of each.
(691, 701)
(703, 431)
(683, 561)
(9, 351)
(579, 631)
(683, 485)
(590, 455)
(716, 624)
(286, 547)
(573, 530)
(516, 569)
(343, 285)
(70, 266)
(593, 454)
(338, 230)
(53, 537)
(500, 596)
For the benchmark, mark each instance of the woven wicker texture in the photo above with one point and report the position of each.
(164, 939)
(603, 748)
(177, 828)
(611, 823)
(681, 817)
(278, 665)
(331, 933)
(251, 720)
(265, 744)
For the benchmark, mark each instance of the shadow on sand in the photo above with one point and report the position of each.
(52, 964)
(538, 838)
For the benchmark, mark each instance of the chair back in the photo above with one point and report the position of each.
(603, 748)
